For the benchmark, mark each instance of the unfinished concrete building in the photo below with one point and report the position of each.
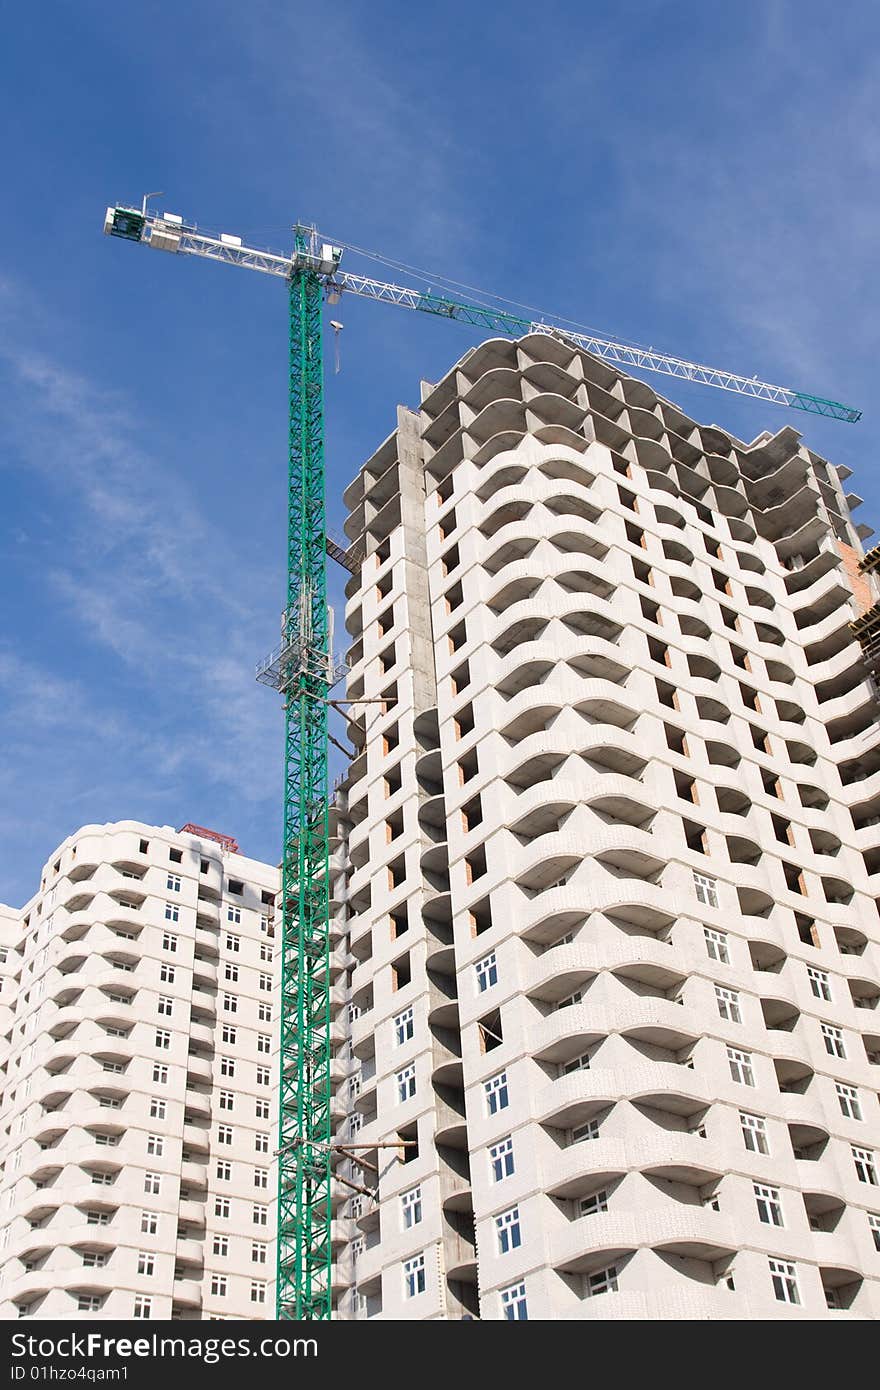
(605, 866)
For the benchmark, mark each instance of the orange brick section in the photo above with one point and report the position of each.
(857, 581)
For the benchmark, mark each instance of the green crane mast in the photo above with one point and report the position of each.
(302, 668)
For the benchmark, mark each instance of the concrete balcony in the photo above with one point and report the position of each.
(186, 1293)
(198, 1069)
(191, 1213)
(566, 1032)
(571, 1100)
(690, 1232)
(675, 1155)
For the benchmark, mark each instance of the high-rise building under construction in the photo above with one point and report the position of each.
(138, 1002)
(604, 908)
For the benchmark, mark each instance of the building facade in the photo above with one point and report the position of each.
(605, 916)
(139, 1093)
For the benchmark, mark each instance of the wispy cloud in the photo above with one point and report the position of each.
(165, 708)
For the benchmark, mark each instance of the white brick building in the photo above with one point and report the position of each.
(138, 1076)
(605, 882)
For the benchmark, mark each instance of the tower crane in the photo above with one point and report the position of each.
(303, 670)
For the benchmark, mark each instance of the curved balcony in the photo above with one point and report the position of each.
(573, 1099)
(558, 972)
(670, 1154)
(567, 1032)
(690, 1232)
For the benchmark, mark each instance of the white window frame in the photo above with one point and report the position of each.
(508, 1230)
(415, 1279)
(502, 1163)
(769, 1204)
(741, 1068)
(755, 1126)
(514, 1304)
(783, 1274)
(706, 890)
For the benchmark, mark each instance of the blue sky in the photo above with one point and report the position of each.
(699, 178)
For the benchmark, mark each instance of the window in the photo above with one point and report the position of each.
(754, 1130)
(261, 1177)
(581, 1063)
(149, 1223)
(848, 1099)
(866, 1169)
(603, 1281)
(233, 942)
(163, 1038)
(501, 1159)
(411, 1207)
(580, 1133)
(94, 1259)
(143, 1306)
(264, 1012)
(261, 1109)
(265, 982)
(785, 1285)
(166, 973)
(769, 1205)
(819, 983)
(106, 1180)
(406, 1083)
(264, 1042)
(221, 1246)
(513, 1303)
(874, 1227)
(97, 1218)
(508, 1230)
(224, 1134)
(166, 1005)
(224, 1171)
(221, 1207)
(596, 1202)
(261, 1215)
(706, 890)
(833, 1039)
(263, 1077)
(152, 1184)
(219, 1285)
(258, 1252)
(169, 941)
(230, 1003)
(155, 1145)
(227, 1100)
(740, 1064)
(230, 1033)
(486, 971)
(496, 1093)
(172, 912)
(404, 1027)
(728, 1004)
(88, 1303)
(414, 1281)
(173, 883)
(261, 1143)
(146, 1262)
(227, 1067)
(230, 971)
(160, 1073)
(233, 914)
(258, 1292)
